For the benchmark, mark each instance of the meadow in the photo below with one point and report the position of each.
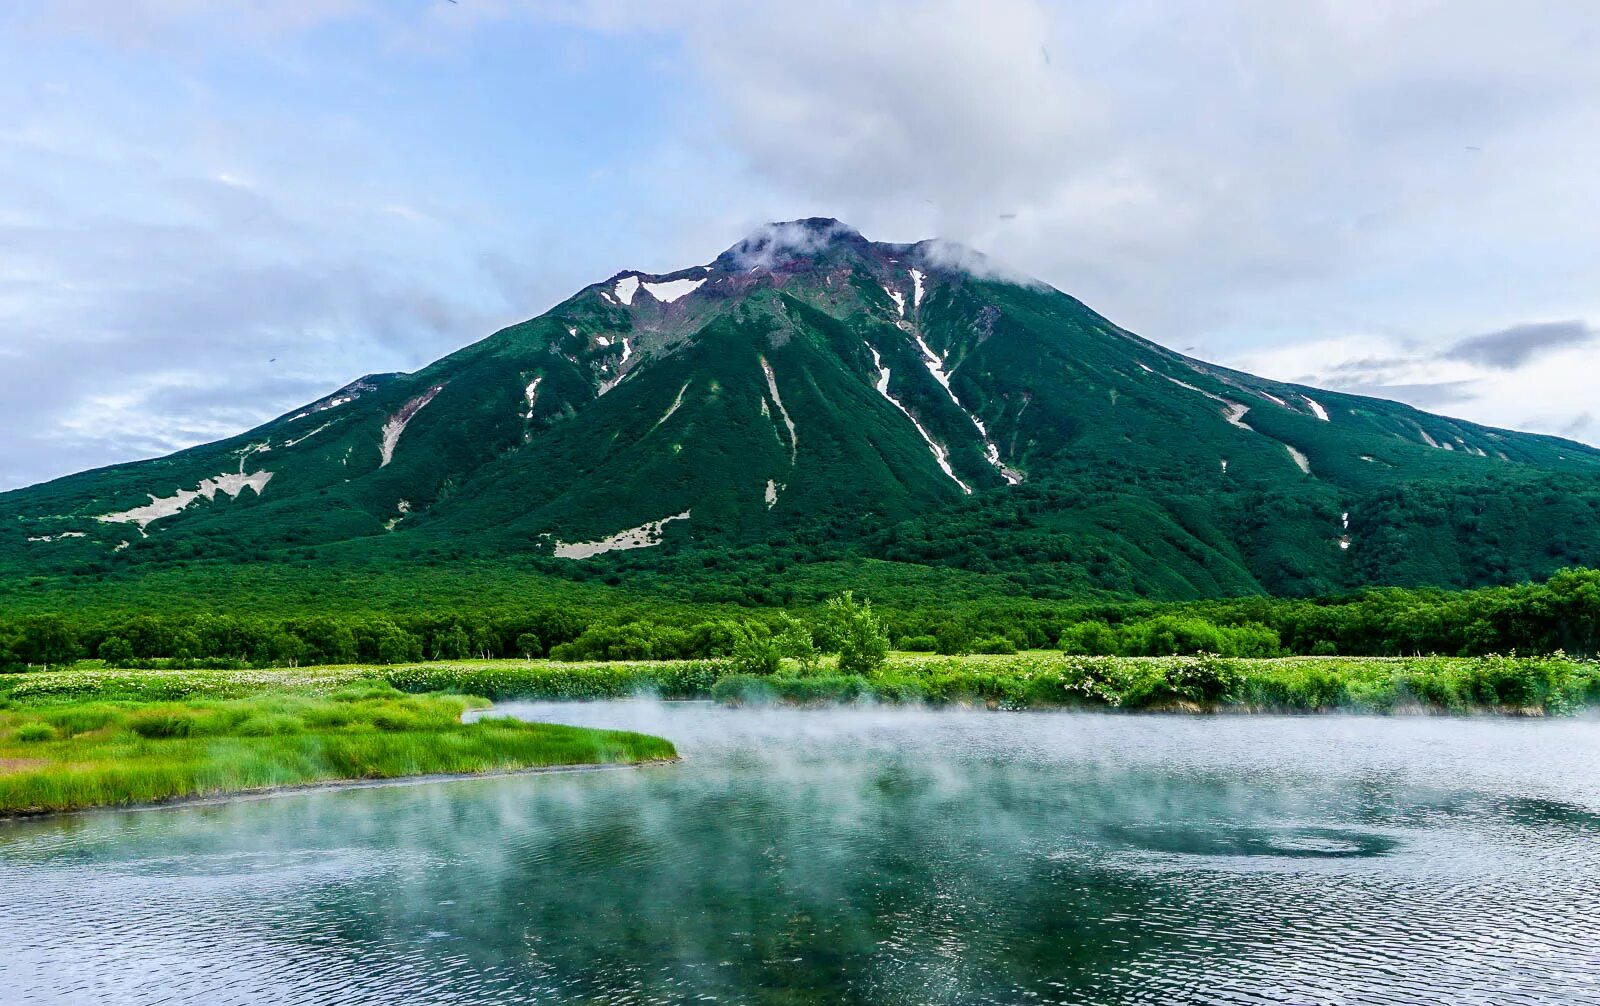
(79, 739)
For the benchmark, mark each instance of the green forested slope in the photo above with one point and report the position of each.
(813, 410)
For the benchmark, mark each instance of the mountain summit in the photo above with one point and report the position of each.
(808, 384)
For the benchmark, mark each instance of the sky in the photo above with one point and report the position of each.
(213, 211)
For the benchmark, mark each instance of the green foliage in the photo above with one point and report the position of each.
(854, 632)
(794, 640)
(743, 690)
(1091, 638)
(953, 638)
(918, 644)
(994, 644)
(46, 639)
(758, 655)
(1200, 682)
(528, 645)
(116, 651)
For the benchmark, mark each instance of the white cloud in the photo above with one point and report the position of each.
(1256, 179)
(1548, 390)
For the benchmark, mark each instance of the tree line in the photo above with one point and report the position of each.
(1562, 613)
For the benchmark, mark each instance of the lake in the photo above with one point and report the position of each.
(859, 856)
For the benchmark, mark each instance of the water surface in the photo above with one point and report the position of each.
(861, 857)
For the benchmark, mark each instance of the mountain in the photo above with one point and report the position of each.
(811, 395)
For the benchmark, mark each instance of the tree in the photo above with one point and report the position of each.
(452, 643)
(758, 655)
(395, 645)
(858, 634)
(48, 639)
(529, 646)
(794, 640)
(953, 638)
(1092, 638)
(116, 651)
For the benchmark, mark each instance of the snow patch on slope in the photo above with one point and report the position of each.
(643, 536)
(991, 450)
(531, 393)
(1316, 408)
(396, 424)
(676, 402)
(344, 396)
(626, 287)
(402, 508)
(1234, 413)
(771, 495)
(916, 288)
(76, 534)
(229, 484)
(899, 300)
(772, 386)
(673, 289)
(940, 455)
(306, 436)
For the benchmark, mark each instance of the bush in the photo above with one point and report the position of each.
(1090, 639)
(953, 639)
(742, 690)
(918, 644)
(994, 644)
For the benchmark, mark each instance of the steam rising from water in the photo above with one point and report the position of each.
(862, 856)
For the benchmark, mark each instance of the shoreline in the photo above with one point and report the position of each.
(259, 793)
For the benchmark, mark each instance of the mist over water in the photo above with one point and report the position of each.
(851, 856)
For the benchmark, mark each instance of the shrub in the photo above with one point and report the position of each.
(994, 644)
(1091, 639)
(953, 639)
(918, 644)
(742, 690)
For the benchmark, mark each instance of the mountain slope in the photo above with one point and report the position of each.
(812, 393)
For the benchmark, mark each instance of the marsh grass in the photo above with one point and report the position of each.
(67, 755)
(1516, 685)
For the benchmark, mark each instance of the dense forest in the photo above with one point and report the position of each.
(1562, 613)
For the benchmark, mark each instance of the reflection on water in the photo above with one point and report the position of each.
(861, 857)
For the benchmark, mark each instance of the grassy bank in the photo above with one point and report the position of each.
(1505, 685)
(1551, 685)
(104, 742)
(1046, 679)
